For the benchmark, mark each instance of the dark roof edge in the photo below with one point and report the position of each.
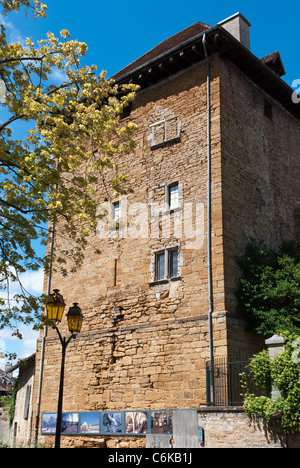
(291, 107)
(232, 53)
(21, 362)
(165, 54)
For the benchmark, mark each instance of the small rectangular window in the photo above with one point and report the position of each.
(173, 196)
(27, 400)
(117, 211)
(173, 263)
(166, 264)
(160, 266)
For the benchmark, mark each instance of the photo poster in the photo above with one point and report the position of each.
(161, 422)
(136, 422)
(48, 423)
(110, 423)
(70, 423)
(89, 423)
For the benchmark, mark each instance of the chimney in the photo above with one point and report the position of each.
(238, 26)
(7, 370)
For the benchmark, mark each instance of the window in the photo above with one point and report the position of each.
(173, 196)
(166, 198)
(173, 263)
(27, 400)
(166, 264)
(116, 212)
(165, 131)
(116, 216)
(160, 266)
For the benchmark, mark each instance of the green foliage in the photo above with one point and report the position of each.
(52, 175)
(284, 372)
(269, 290)
(5, 401)
(12, 406)
(4, 444)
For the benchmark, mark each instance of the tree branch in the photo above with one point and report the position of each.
(15, 207)
(11, 120)
(21, 59)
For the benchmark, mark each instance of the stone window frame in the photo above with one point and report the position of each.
(166, 141)
(116, 211)
(166, 209)
(167, 277)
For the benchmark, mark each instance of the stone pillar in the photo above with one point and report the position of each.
(276, 346)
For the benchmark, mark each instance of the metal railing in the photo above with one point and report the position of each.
(227, 383)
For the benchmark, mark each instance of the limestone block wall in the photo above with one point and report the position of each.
(144, 343)
(260, 179)
(232, 428)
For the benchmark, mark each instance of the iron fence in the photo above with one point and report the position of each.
(224, 383)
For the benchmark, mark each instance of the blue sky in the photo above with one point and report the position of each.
(119, 32)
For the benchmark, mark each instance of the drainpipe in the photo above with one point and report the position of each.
(210, 286)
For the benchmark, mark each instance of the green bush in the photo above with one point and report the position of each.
(269, 289)
(284, 372)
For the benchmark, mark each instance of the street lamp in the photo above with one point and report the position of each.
(55, 306)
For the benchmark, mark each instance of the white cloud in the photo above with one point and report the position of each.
(23, 348)
(12, 33)
(32, 281)
(58, 76)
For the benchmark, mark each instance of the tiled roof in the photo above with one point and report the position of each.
(274, 62)
(185, 49)
(165, 46)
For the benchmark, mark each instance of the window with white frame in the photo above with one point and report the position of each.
(160, 267)
(173, 263)
(166, 198)
(116, 211)
(165, 131)
(173, 196)
(166, 264)
(116, 215)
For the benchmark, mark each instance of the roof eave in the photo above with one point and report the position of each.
(219, 41)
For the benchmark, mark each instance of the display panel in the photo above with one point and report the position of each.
(111, 422)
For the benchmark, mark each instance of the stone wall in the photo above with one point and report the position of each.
(260, 180)
(232, 428)
(4, 426)
(144, 343)
(21, 424)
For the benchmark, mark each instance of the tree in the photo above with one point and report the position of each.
(269, 289)
(51, 175)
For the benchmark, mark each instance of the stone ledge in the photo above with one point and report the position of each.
(221, 409)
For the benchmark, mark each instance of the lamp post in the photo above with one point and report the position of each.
(55, 306)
